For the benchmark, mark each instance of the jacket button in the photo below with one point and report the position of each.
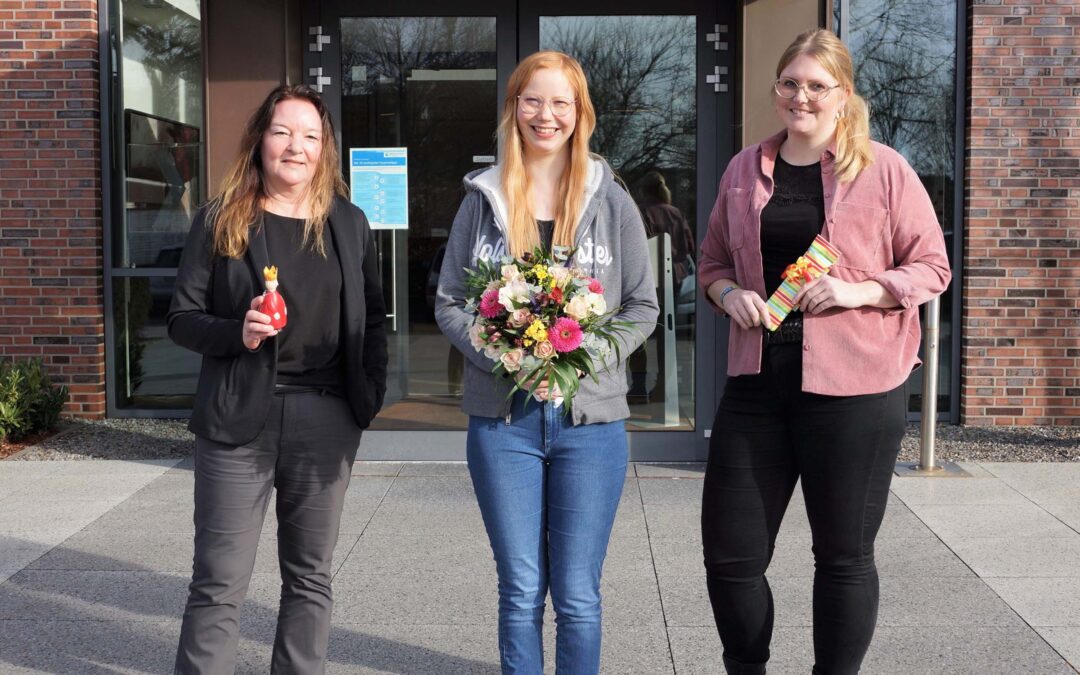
(806, 348)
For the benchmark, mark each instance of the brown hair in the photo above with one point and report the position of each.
(238, 204)
(522, 234)
(853, 152)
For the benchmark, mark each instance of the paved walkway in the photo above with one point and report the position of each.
(979, 575)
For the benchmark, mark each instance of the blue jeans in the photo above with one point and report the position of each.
(548, 492)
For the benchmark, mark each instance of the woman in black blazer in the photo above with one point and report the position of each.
(276, 408)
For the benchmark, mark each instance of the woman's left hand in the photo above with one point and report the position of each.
(826, 292)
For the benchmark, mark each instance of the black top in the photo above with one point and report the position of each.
(309, 347)
(791, 219)
(547, 233)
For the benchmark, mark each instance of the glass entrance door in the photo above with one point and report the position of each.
(416, 97)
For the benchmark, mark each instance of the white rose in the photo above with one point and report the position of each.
(511, 360)
(520, 317)
(476, 336)
(577, 308)
(510, 273)
(492, 352)
(597, 304)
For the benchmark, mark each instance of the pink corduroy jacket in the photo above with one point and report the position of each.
(886, 230)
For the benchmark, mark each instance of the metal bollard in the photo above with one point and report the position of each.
(927, 466)
(928, 425)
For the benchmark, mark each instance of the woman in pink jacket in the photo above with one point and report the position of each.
(821, 399)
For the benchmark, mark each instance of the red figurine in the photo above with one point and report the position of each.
(272, 303)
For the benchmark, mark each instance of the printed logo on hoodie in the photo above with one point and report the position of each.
(589, 253)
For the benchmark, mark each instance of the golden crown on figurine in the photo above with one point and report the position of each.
(270, 273)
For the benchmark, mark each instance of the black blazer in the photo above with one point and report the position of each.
(212, 295)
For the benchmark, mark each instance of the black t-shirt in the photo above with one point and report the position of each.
(547, 233)
(309, 347)
(791, 219)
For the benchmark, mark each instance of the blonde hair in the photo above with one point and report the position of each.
(853, 152)
(523, 234)
(238, 204)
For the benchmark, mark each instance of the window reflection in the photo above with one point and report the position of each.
(905, 67)
(162, 105)
(641, 79)
(428, 84)
(151, 371)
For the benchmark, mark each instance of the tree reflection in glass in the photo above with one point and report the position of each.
(641, 72)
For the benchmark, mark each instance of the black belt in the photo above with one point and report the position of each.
(790, 331)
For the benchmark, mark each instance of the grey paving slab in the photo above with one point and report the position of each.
(375, 468)
(114, 467)
(685, 492)
(988, 490)
(630, 599)
(1067, 511)
(385, 554)
(961, 650)
(937, 601)
(413, 469)
(67, 488)
(88, 647)
(630, 649)
(155, 551)
(1038, 478)
(896, 650)
(134, 515)
(90, 596)
(411, 597)
(698, 651)
(670, 470)
(953, 521)
(1065, 640)
(455, 650)
(1042, 601)
(16, 553)
(29, 519)
(1021, 557)
(27, 470)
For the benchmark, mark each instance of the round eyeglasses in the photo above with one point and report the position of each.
(530, 105)
(785, 87)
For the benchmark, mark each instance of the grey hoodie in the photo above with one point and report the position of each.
(610, 247)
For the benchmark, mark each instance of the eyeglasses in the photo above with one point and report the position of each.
(530, 105)
(786, 87)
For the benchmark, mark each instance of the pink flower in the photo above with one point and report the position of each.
(489, 304)
(595, 286)
(520, 317)
(565, 336)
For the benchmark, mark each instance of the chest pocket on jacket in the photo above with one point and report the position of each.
(737, 211)
(861, 234)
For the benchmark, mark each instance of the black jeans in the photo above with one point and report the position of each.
(767, 435)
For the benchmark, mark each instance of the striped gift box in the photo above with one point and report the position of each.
(818, 259)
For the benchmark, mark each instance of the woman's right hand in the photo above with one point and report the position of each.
(256, 325)
(746, 308)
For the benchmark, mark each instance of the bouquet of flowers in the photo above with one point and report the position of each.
(538, 318)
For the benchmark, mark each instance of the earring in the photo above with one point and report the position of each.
(839, 113)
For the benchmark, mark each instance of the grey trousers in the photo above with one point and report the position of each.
(305, 451)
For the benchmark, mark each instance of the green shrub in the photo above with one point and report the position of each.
(29, 402)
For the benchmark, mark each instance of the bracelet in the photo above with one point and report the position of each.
(723, 294)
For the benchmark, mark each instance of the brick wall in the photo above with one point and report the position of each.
(51, 302)
(1021, 314)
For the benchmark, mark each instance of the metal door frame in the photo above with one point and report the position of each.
(517, 34)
